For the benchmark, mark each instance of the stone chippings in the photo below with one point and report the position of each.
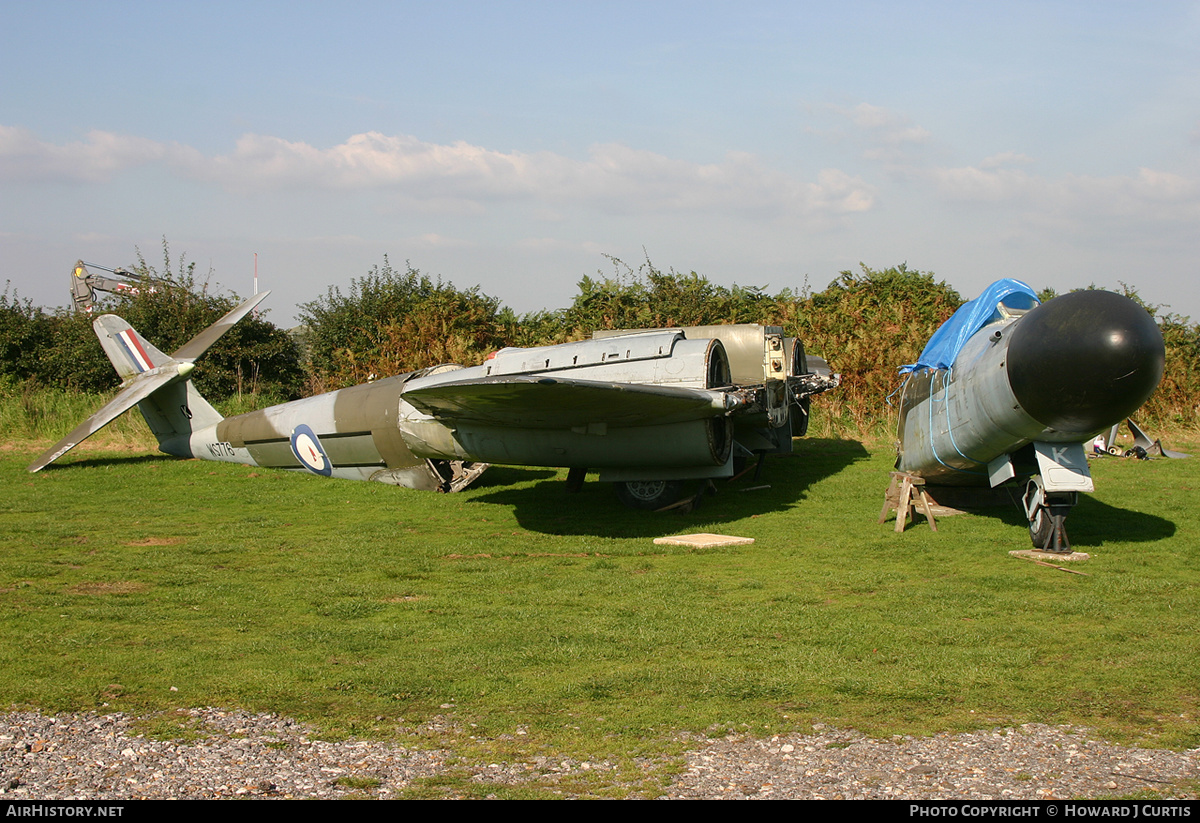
(237, 754)
(1032, 762)
(88, 756)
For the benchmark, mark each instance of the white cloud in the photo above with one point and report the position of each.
(543, 246)
(1148, 195)
(887, 126)
(1102, 220)
(624, 179)
(1005, 158)
(1008, 180)
(432, 239)
(367, 161)
(457, 177)
(102, 154)
(614, 177)
(886, 136)
(983, 184)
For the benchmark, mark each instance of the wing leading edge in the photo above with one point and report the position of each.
(541, 402)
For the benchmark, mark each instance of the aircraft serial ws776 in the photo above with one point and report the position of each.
(647, 409)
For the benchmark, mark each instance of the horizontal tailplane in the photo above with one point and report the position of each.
(157, 383)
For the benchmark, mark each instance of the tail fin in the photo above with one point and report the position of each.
(129, 352)
(155, 382)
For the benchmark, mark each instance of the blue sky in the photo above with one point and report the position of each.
(513, 145)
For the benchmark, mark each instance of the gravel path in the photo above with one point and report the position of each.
(1033, 762)
(87, 756)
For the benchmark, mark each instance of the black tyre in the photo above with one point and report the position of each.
(1041, 528)
(650, 494)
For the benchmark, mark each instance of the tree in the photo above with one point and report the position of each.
(652, 298)
(24, 333)
(255, 356)
(393, 321)
(867, 324)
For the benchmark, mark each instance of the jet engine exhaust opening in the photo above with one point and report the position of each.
(720, 438)
(716, 365)
(798, 362)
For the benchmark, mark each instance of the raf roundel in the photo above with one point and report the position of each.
(308, 451)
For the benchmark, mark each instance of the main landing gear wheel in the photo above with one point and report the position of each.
(1047, 513)
(1041, 528)
(649, 494)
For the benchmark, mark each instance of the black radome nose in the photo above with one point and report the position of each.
(1085, 361)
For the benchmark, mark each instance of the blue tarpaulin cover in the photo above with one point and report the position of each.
(943, 348)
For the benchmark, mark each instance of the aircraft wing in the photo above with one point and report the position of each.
(138, 389)
(200, 343)
(543, 402)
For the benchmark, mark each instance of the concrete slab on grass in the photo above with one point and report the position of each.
(702, 541)
(1034, 554)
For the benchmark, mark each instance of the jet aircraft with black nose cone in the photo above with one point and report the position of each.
(1008, 390)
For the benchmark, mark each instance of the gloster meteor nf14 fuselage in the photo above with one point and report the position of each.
(1009, 389)
(646, 409)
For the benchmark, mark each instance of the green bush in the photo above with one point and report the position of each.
(392, 322)
(25, 332)
(61, 350)
(652, 298)
(868, 324)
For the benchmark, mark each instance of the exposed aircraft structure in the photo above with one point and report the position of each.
(1144, 446)
(1008, 389)
(647, 409)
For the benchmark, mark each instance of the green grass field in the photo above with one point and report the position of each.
(537, 621)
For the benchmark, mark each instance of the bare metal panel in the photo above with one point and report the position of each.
(642, 346)
(745, 344)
